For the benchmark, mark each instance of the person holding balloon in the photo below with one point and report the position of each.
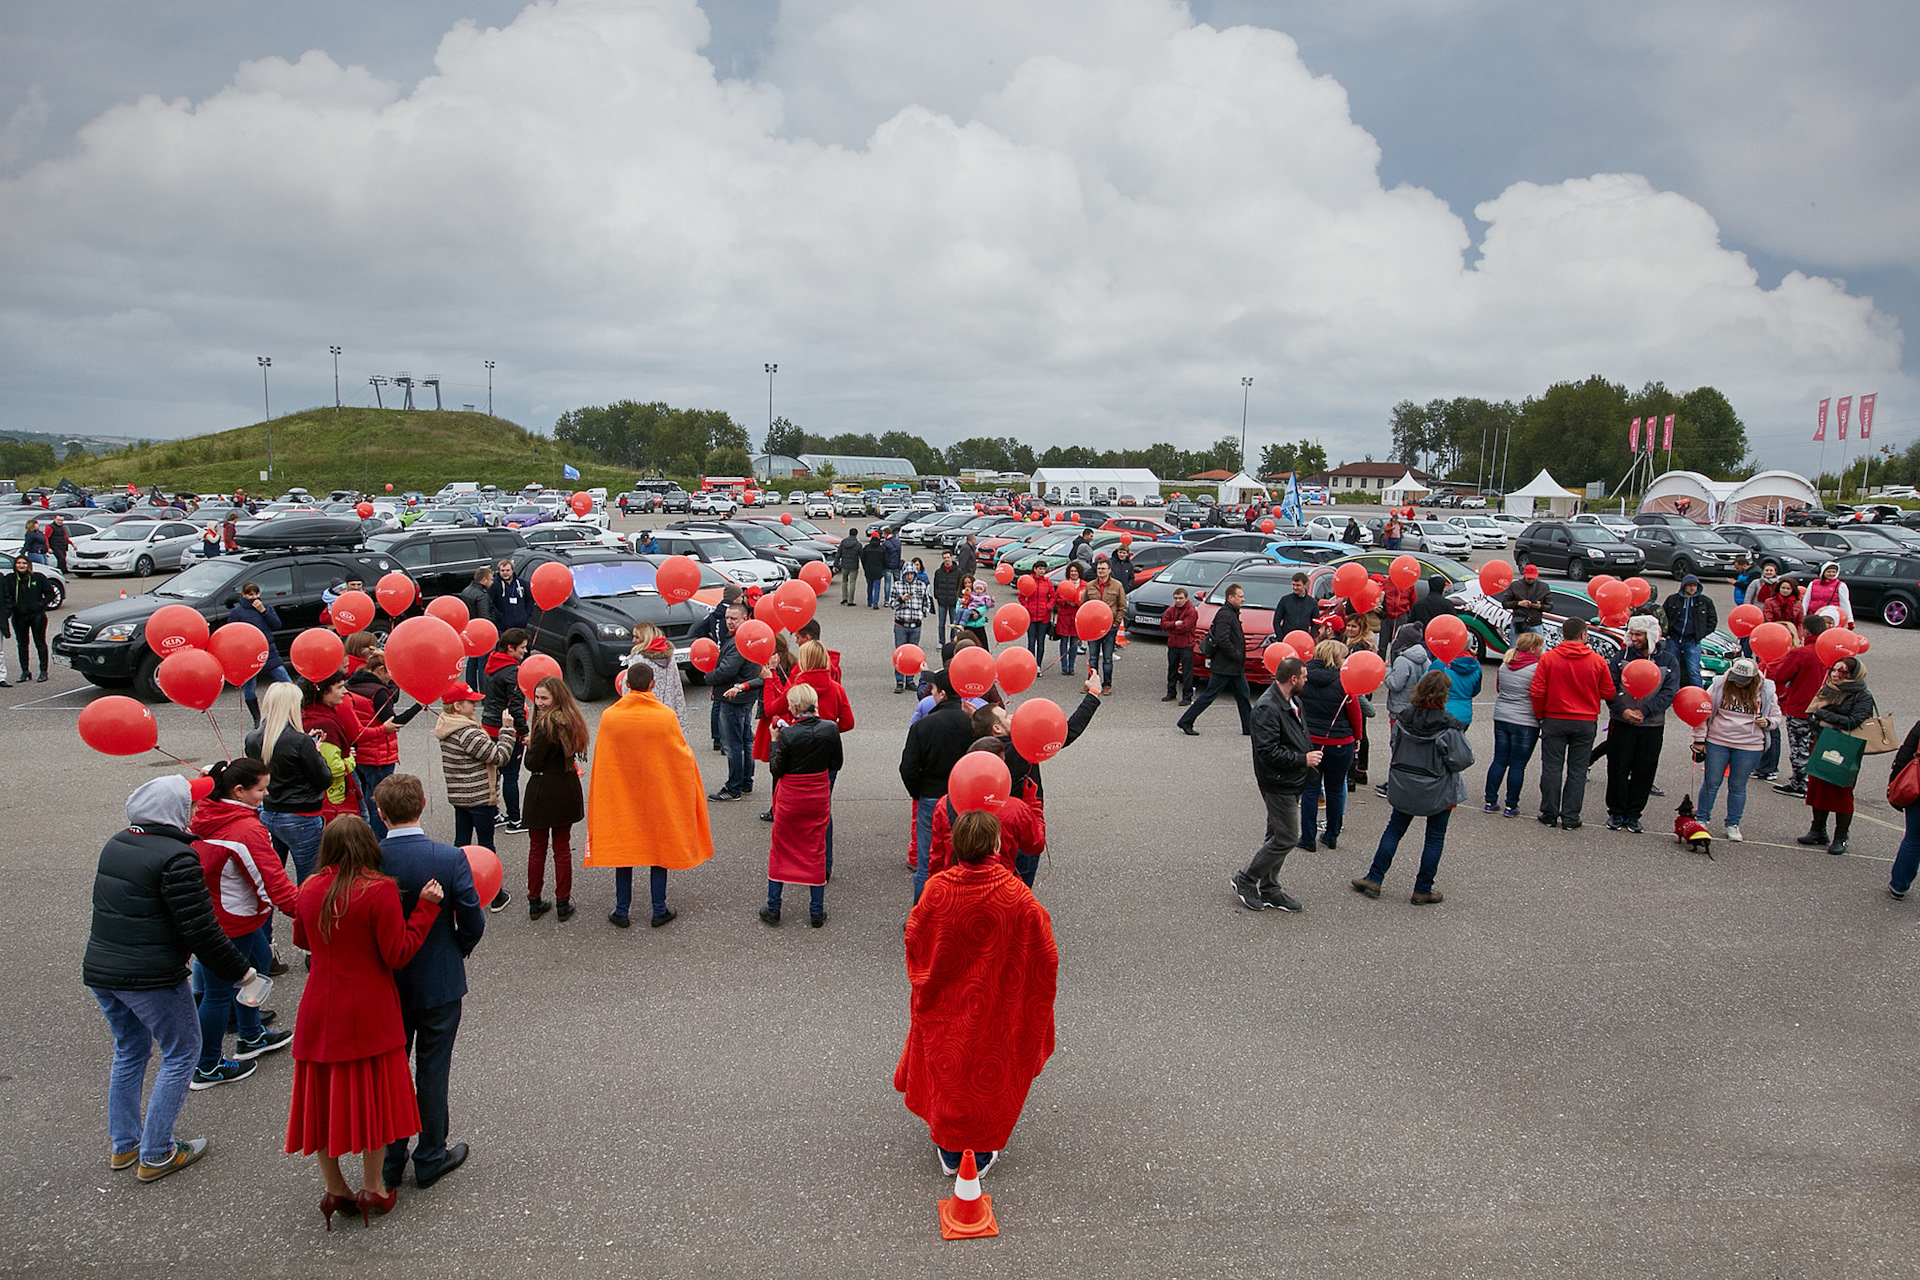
(478, 597)
(912, 601)
(736, 682)
(553, 800)
(1106, 589)
(376, 701)
(1037, 596)
(1741, 708)
(974, 607)
(934, 744)
(1066, 608)
(1797, 672)
(1334, 723)
(471, 759)
(505, 700)
(1646, 676)
(256, 612)
(326, 717)
(1023, 827)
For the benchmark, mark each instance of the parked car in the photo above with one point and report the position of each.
(1303, 551)
(1884, 585)
(726, 553)
(139, 547)
(1486, 533)
(591, 633)
(764, 541)
(444, 518)
(1621, 526)
(569, 534)
(1767, 545)
(713, 502)
(1332, 528)
(1813, 517)
(1667, 518)
(1576, 550)
(441, 561)
(927, 531)
(1140, 527)
(1680, 552)
(1488, 621)
(1847, 539)
(1432, 535)
(819, 508)
(1199, 572)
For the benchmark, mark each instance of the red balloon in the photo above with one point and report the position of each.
(1770, 641)
(1743, 618)
(350, 611)
(1347, 579)
(487, 871)
(704, 654)
(480, 637)
(1039, 729)
(116, 725)
(451, 610)
(1446, 637)
(1093, 619)
(1363, 671)
(191, 677)
(1003, 574)
(764, 611)
(1857, 644)
(551, 584)
(534, 668)
(1596, 582)
(1301, 643)
(581, 503)
(389, 488)
(1275, 654)
(677, 579)
(1619, 619)
(396, 593)
(364, 510)
(754, 639)
(1495, 576)
(1405, 571)
(1641, 677)
(979, 780)
(241, 649)
(1365, 597)
(1071, 590)
(1010, 621)
(786, 517)
(907, 659)
(1615, 598)
(1642, 591)
(1126, 539)
(316, 653)
(816, 575)
(1693, 705)
(1266, 526)
(424, 655)
(1833, 644)
(972, 672)
(1017, 669)
(1074, 516)
(793, 604)
(175, 627)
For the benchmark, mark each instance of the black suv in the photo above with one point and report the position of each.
(1692, 550)
(1577, 550)
(107, 643)
(442, 561)
(591, 633)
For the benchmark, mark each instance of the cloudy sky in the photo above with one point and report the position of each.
(1076, 221)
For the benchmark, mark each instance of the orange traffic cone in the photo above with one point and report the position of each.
(1121, 639)
(123, 593)
(968, 1214)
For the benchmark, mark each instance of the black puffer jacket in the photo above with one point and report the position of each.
(151, 909)
(300, 777)
(1849, 706)
(27, 595)
(934, 745)
(809, 745)
(1323, 702)
(1280, 744)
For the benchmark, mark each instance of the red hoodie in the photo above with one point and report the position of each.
(1038, 602)
(1572, 682)
(1796, 678)
(244, 875)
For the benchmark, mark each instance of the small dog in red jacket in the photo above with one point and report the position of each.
(1689, 830)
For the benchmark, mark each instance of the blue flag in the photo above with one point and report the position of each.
(1290, 505)
(568, 472)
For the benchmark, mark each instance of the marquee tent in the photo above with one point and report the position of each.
(1399, 491)
(1241, 488)
(1764, 498)
(1560, 500)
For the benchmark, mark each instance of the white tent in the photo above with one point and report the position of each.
(1240, 488)
(1560, 500)
(1402, 489)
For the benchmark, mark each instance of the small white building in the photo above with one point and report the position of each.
(1402, 491)
(1560, 500)
(1094, 484)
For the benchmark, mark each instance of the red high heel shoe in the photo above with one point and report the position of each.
(367, 1203)
(331, 1204)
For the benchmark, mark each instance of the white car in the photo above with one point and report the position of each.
(1334, 529)
(1483, 531)
(1618, 525)
(819, 508)
(1434, 535)
(713, 502)
(726, 553)
(1155, 500)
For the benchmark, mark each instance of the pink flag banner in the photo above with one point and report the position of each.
(1840, 414)
(1820, 432)
(1668, 443)
(1633, 437)
(1866, 415)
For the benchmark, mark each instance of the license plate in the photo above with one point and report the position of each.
(61, 660)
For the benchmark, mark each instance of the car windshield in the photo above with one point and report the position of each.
(1590, 533)
(1263, 593)
(196, 582)
(1699, 536)
(613, 578)
(804, 529)
(129, 531)
(758, 536)
(1778, 541)
(526, 511)
(438, 517)
(1194, 571)
(724, 547)
(1480, 522)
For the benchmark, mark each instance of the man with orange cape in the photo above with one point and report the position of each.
(982, 961)
(645, 804)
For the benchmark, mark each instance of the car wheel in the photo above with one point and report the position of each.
(58, 590)
(1577, 570)
(1681, 568)
(1520, 560)
(1897, 611)
(146, 683)
(583, 678)
(143, 567)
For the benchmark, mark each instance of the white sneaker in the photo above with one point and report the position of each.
(1733, 834)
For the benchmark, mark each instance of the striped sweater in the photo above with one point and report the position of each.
(472, 760)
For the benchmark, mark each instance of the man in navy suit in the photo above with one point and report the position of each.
(433, 982)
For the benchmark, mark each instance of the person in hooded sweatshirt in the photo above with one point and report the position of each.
(1637, 725)
(1423, 781)
(151, 912)
(1570, 685)
(1516, 730)
(506, 700)
(1690, 619)
(509, 596)
(1433, 604)
(1464, 673)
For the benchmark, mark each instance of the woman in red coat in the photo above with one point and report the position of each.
(352, 1090)
(983, 964)
(324, 710)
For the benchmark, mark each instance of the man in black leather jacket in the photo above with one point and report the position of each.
(1283, 759)
(1226, 655)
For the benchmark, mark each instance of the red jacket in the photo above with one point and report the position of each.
(1064, 612)
(1180, 622)
(1038, 599)
(1398, 601)
(1796, 678)
(834, 704)
(374, 707)
(1779, 608)
(244, 876)
(1023, 829)
(1571, 682)
(350, 1007)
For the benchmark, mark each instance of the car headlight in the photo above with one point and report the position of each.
(119, 631)
(609, 631)
(1597, 554)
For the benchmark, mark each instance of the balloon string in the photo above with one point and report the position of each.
(169, 755)
(218, 736)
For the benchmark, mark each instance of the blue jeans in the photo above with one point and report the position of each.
(816, 897)
(474, 825)
(922, 841)
(1770, 758)
(476, 672)
(300, 832)
(1690, 655)
(736, 738)
(1736, 766)
(139, 1019)
(903, 634)
(623, 889)
(945, 620)
(1512, 747)
(1330, 777)
(874, 587)
(1516, 629)
(1037, 640)
(370, 776)
(272, 673)
(1397, 825)
(1027, 865)
(216, 998)
(1069, 653)
(1907, 860)
(1100, 656)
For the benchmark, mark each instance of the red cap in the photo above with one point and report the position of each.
(1530, 571)
(460, 693)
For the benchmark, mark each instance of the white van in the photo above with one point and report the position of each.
(458, 489)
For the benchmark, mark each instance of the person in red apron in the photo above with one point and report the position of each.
(806, 753)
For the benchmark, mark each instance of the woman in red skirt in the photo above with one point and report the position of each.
(1843, 703)
(351, 1087)
(806, 754)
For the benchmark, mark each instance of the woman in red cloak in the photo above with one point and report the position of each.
(982, 960)
(805, 756)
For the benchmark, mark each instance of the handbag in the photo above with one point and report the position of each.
(1877, 732)
(1836, 758)
(1903, 788)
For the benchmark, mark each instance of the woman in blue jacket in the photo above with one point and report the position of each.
(1463, 673)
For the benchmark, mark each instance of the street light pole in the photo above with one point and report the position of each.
(1246, 391)
(336, 380)
(489, 388)
(266, 363)
(771, 370)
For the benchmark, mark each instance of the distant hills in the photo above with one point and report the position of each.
(69, 444)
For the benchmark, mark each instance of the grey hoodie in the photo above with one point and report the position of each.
(166, 801)
(1403, 675)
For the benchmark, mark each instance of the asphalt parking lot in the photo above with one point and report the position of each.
(1601, 1056)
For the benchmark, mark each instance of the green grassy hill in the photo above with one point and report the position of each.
(365, 449)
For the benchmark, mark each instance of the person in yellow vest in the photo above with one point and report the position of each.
(645, 804)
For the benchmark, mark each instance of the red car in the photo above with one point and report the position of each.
(1140, 527)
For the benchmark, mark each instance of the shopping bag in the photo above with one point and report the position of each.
(1878, 734)
(1836, 758)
